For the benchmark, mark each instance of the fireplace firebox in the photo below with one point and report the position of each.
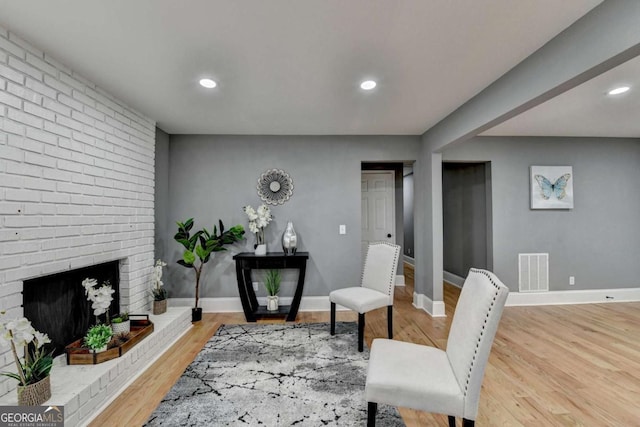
(57, 304)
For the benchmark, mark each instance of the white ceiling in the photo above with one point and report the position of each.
(586, 110)
(293, 67)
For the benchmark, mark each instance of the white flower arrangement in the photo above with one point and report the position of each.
(159, 293)
(20, 333)
(100, 298)
(258, 220)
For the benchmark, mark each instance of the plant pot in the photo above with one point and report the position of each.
(261, 249)
(159, 307)
(122, 327)
(196, 314)
(35, 394)
(272, 302)
(101, 349)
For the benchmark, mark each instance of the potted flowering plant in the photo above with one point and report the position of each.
(201, 245)
(33, 370)
(100, 297)
(159, 293)
(258, 220)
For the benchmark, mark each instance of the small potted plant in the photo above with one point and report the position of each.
(98, 337)
(121, 323)
(272, 285)
(258, 220)
(33, 371)
(159, 293)
(200, 246)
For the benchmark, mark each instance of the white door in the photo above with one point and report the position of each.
(378, 212)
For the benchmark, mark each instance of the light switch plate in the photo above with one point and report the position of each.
(343, 229)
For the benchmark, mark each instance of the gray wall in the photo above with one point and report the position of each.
(598, 241)
(161, 196)
(464, 205)
(213, 177)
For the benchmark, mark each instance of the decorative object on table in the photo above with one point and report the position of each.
(100, 298)
(201, 245)
(551, 187)
(314, 380)
(98, 337)
(121, 323)
(272, 285)
(275, 187)
(159, 293)
(289, 239)
(78, 354)
(258, 220)
(34, 386)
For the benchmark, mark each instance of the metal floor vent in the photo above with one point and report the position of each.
(533, 272)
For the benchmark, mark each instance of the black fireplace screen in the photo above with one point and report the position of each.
(57, 304)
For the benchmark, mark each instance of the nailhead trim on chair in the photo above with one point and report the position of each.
(395, 261)
(475, 352)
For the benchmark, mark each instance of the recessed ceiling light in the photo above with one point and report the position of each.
(368, 84)
(619, 90)
(208, 83)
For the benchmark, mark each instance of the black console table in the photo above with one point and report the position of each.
(247, 261)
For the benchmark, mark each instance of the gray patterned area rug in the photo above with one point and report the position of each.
(274, 375)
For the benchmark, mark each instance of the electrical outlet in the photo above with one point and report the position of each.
(255, 286)
(343, 229)
(572, 280)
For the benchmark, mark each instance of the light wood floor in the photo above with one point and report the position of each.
(575, 365)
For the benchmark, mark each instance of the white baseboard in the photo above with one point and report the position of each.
(409, 260)
(400, 280)
(453, 279)
(590, 296)
(433, 308)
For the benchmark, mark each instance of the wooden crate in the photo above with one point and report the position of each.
(78, 355)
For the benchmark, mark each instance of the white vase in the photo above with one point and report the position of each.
(272, 302)
(289, 240)
(101, 349)
(122, 327)
(261, 249)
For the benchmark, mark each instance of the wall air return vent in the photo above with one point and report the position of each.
(533, 272)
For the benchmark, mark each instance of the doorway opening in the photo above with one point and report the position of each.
(467, 219)
(383, 206)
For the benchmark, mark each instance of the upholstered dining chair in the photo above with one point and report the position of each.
(376, 288)
(433, 380)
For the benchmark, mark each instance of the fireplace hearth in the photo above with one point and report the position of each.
(57, 304)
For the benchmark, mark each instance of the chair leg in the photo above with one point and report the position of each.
(452, 421)
(371, 414)
(360, 332)
(333, 318)
(468, 423)
(390, 321)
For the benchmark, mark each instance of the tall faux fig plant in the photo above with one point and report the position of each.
(200, 246)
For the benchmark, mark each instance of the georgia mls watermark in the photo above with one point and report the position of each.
(31, 416)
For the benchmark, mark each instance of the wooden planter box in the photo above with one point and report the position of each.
(78, 355)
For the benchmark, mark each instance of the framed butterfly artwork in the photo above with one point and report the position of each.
(552, 187)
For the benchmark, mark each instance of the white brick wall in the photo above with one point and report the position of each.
(76, 179)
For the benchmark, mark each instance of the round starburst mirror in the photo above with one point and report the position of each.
(275, 187)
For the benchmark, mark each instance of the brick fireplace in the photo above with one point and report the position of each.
(76, 180)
